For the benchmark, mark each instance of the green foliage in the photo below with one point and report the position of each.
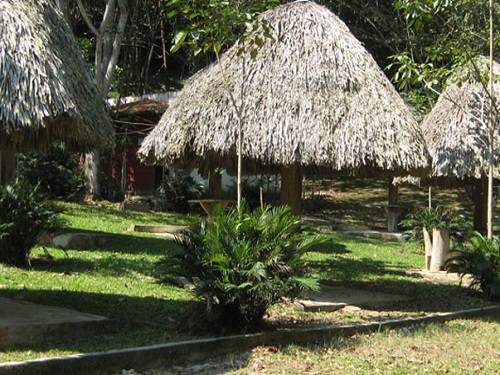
(436, 218)
(212, 26)
(24, 215)
(57, 173)
(481, 260)
(242, 263)
(441, 37)
(176, 191)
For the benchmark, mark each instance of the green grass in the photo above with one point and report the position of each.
(119, 280)
(457, 347)
(116, 281)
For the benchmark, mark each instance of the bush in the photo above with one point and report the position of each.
(57, 173)
(243, 263)
(176, 191)
(481, 260)
(24, 215)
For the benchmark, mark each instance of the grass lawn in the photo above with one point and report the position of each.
(118, 281)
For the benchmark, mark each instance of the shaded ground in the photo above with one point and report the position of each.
(359, 203)
(457, 347)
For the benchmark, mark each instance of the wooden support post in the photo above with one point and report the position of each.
(393, 194)
(8, 165)
(440, 249)
(215, 184)
(291, 187)
(393, 210)
(481, 204)
(428, 248)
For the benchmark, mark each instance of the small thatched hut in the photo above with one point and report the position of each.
(312, 96)
(47, 91)
(456, 133)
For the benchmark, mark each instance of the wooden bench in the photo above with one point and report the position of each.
(209, 205)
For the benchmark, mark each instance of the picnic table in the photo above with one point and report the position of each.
(209, 205)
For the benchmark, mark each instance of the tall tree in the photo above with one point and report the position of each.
(108, 43)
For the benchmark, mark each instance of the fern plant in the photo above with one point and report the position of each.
(24, 215)
(242, 263)
(436, 218)
(481, 260)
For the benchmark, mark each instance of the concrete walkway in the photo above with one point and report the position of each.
(21, 321)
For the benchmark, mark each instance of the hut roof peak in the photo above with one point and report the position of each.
(47, 90)
(456, 130)
(312, 95)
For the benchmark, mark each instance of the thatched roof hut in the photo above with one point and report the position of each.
(47, 90)
(312, 96)
(456, 130)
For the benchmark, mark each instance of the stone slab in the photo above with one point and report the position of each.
(317, 306)
(158, 229)
(376, 234)
(81, 241)
(441, 277)
(22, 321)
(353, 296)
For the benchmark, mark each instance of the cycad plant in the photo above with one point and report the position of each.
(24, 215)
(481, 260)
(242, 263)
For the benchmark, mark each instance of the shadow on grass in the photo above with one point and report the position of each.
(120, 308)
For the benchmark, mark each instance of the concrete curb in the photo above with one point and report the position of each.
(178, 353)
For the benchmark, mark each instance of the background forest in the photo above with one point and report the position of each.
(419, 43)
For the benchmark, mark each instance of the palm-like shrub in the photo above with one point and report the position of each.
(24, 215)
(481, 259)
(242, 263)
(436, 218)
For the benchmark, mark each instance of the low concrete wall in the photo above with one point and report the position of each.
(158, 356)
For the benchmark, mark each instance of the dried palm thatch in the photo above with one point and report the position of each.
(456, 130)
(312, 96)
(47, 91)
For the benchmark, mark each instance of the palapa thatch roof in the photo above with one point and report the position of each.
(313, 95)
(47, 90)
(456, 130)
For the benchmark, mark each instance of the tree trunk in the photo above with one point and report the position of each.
(428, 248)
(91, 169)
(291, 187)
(440, 249)
(393, 194)
(481, 204)
(215, 185)
(8, 165)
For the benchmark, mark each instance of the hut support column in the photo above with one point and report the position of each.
(440, 249)
(7, 167)
(393, 210)
(481, 204)
(215, 184)
(291, 187)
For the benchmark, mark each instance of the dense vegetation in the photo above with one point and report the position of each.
(56, 173)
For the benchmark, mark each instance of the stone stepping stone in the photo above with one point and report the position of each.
(333, 298)
(317, 306)
(81, 241)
